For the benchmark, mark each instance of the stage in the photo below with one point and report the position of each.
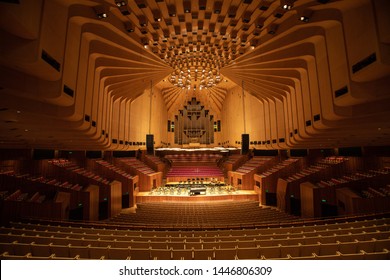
(154, 196)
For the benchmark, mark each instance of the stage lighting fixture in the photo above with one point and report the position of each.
(101, 11)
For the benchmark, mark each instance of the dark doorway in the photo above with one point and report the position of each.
(295, 206)
(270, 199)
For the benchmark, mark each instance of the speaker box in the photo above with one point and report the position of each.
(150, 144)
(244, 144)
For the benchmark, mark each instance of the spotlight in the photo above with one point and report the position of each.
(101, 11)
(143, 22)
(187, 6)
(287, 4)
(155, 39)
(129, 26)
(304, 19)
(145, 41)
(253, 43)
(157, 15)
(172, 10)
(306, 15)
(260, 22)
(120, 3)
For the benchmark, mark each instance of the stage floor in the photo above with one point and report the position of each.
(154, 196)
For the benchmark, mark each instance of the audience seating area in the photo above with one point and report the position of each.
(361, 237)
(243, 176)
(155, 162)
(266, 181)
(183, 173)
(234, 161)
(148, 178)
(193, 230)
(225, 214)
(194, 159)
(203, 167)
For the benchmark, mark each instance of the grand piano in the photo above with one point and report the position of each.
(196, 190)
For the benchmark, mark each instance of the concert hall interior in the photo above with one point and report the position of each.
(195, 129)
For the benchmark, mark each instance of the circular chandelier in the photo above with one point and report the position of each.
(195, 77)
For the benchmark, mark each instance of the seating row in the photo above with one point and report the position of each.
(185, 243)
(315, 227)
(340, 250)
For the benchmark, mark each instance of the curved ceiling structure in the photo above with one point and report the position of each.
(97, 75)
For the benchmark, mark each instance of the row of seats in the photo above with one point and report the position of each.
(187, 243)
(135, 164)
(362, 255)
(364, 237)
(253, 164)
(204, 158)
(46, 237)
(340, 225)
(195, 171)
(44, 234)
(348, 250)
(201, 214)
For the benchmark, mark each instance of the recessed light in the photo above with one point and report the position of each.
(304, 18)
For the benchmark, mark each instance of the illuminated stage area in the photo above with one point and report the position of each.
(196, 192)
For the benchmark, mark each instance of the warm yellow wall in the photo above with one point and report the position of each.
(140, 116)
(232, 121)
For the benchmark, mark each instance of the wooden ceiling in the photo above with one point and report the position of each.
(204, 33)
(300, 63)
